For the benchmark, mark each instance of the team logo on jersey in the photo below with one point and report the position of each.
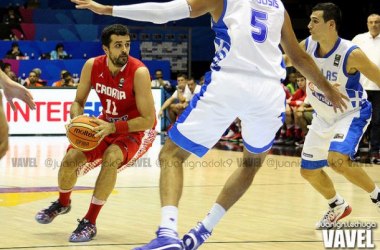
(337, 60)
(338, 136)
(101, 75)
(121, 83)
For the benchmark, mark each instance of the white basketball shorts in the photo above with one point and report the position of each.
(342, 136)
(258, 102)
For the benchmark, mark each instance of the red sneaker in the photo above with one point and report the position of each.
(236, 137)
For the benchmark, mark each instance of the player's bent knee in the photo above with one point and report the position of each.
(338, 166)
(338, 162)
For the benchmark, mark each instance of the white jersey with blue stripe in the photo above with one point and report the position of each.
(247, 39)
(333, 66)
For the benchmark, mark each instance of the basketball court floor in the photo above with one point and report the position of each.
(279, 211)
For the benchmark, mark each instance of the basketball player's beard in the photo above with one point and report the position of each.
(118, 62)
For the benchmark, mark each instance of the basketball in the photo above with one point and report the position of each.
(80, 134)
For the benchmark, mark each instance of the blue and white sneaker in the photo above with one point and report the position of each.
(196, 237)
(167, 239)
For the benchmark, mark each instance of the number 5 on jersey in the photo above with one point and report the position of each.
(260, 31)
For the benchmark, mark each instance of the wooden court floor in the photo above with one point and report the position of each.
(279, 211)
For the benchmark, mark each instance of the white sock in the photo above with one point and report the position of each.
(214, 216)
(336, 199)
(169, 217)
(375, 193)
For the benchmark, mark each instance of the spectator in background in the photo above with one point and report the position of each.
(158, 82)
(34, 79)
(58, 53)
(14, 52)
(11, 17)
(293, 131)
(175, 109)
(369, 43)
(6, 67)
(193, 89)
(12, 76)
(66, 80)
(291, 84)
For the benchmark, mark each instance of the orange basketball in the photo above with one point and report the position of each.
(80, 134)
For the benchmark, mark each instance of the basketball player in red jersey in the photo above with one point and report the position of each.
(125, 126)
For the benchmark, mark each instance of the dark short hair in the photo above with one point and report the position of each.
(59, 45)
(182, 75)
(114, 29)
(5, 65)
(190, 79)
(299, 75)
(158, 70)
(330, 12)
(14, 44)
(66, 74)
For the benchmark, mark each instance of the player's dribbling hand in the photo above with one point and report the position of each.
(104, 129)
(337, 98)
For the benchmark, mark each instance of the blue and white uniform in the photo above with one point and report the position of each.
(244, 80)
(330, 131)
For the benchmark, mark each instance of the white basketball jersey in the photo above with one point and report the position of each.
(247, 39)
(333, 66)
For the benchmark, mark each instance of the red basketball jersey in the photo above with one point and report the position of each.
(116, 93)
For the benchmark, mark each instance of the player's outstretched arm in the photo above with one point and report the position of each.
(305, 64)
(14, 90)
(3, 130)
(93, 6)
(145, 12)
(83, 90)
